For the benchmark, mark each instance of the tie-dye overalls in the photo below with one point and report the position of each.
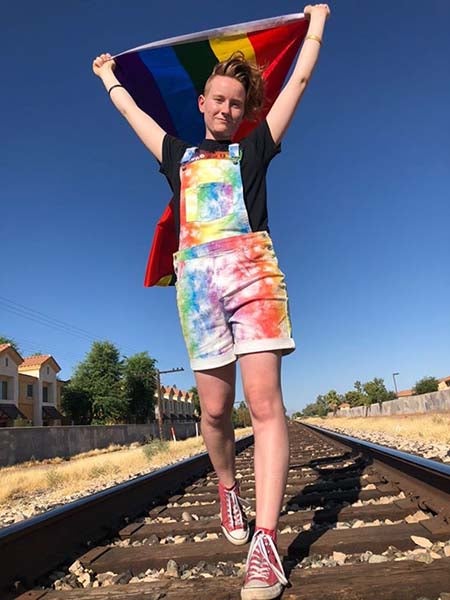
(231, 293)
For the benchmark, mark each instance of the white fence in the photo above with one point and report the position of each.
(434, 401)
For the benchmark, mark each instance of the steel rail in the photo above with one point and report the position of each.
(417, 474)
(34, 547)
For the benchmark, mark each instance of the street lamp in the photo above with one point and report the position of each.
(395, 383)
(158, 384)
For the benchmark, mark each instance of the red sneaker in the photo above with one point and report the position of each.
(264, 577)
(233, 517)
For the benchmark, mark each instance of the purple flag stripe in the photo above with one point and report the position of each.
(140, 83)
(178, 91)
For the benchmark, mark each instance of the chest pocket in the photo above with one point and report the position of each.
(211, 184)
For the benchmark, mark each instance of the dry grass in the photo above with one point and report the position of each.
(424, 427)
(61, 478)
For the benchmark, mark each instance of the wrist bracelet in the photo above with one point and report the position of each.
(311, 36)
(114, 86)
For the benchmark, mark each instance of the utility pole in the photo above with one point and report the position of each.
(158, 384)
(395, 383)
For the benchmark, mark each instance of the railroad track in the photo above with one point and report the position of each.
(358, 522)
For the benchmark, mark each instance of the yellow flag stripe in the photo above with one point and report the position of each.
(224, 47)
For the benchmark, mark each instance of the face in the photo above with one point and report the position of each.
(223, 107)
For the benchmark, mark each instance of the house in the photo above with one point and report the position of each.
(176, 405)
(29, 388)
(444, 383)
(40, 390)
(10, 359)
(405, 393)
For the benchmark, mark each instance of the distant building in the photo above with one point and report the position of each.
(10, 359)
(444, 383)
(29, 388)
(176, 405)
(405, 393)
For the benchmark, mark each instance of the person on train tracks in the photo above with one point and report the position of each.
(231, 293)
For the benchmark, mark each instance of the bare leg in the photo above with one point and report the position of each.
(262, 388)
(216, 389)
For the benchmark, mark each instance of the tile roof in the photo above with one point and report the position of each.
(37, 361)
(32, 361)
(10, 347)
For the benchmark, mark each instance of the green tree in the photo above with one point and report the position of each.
(241, 416)
(196, 400)
(354, 398)
(333, 400)
(426, 385)
(7, 340)
(310, 410)
(139, 386)
(377, 392)
(77, 405)
(322, 406)
(99, 376)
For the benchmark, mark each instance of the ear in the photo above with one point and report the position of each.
(201, 103)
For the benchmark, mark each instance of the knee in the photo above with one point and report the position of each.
(215, 416)
(264, 405)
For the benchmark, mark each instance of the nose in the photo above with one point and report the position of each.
(226, 108)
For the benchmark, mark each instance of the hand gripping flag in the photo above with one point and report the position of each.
(165, 79)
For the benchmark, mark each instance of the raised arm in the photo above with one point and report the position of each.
(283, 108)
(146, 128)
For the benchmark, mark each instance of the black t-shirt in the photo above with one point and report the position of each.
(258, 149)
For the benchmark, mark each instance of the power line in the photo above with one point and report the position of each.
(48, 321)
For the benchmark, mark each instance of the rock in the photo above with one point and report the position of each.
(339, 557)
(152, 540)
(370, 486)
(76, 568)
(287, 529)
(122, 578)
(358, 523)
(421, 541)
(424, 558)
(106, 578)
(172, 569)
(85, 579)
(365, 556)
(179, 539)
(377, 558)
(416, 517)
(447, 551)
(186, 516)
(186, 575)
(227, 568)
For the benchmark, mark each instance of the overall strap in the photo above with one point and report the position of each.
(189, 154)
(234, 153)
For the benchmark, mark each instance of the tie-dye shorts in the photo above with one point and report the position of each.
(232, 300)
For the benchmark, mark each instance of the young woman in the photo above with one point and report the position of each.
(231, 294)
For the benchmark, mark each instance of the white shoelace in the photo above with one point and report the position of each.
(235, 508)
(259, 569)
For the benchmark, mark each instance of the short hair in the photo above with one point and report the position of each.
(247, 73)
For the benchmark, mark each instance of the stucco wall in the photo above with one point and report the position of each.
(19, 444)
(435, 401)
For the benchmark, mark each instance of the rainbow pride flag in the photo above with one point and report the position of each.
(165, 79)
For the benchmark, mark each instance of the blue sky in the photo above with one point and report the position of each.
(358, 199)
